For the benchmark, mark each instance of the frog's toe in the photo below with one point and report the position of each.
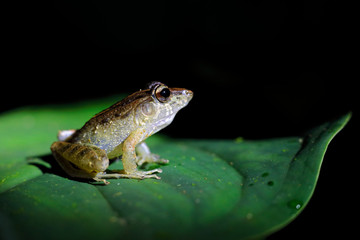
(163, 161)
(151, 158)
(157, 159)
(151, 176)
(97, 179)
(158, 170)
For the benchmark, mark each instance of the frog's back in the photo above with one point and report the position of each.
(110, 127)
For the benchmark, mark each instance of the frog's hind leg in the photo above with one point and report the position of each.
(71, 169)
(80, 161)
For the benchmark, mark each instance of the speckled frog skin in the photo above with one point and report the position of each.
(120, 130)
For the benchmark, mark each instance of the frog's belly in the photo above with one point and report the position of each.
(108, 143)
(106, 140)
(116, 152)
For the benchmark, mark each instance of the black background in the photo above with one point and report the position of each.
(259, 69)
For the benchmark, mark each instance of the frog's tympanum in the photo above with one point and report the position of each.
(120, 130)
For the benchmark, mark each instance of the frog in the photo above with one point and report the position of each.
(120, 131)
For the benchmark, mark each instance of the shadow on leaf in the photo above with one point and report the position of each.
(47, 164)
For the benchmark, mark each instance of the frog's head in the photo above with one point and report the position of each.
(164, 103)
(172, 99)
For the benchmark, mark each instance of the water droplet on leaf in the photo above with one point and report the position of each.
(295, 204)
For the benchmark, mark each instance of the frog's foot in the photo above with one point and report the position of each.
(64, 134)
(121, 174)
(150, 158)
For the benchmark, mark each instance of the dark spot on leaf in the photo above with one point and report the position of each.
(270, 183)
(265, 174)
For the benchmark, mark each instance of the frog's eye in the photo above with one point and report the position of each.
(163, 94)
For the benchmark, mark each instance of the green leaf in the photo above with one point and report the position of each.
(228, 189)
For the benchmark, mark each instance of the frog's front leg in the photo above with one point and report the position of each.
(145, 156)
(130, 161)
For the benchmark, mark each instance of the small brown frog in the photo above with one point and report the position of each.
(120, 130)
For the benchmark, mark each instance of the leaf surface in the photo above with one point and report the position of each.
(228, 189)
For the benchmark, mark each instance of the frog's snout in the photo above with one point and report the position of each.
(181, 96)
(188, 93)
